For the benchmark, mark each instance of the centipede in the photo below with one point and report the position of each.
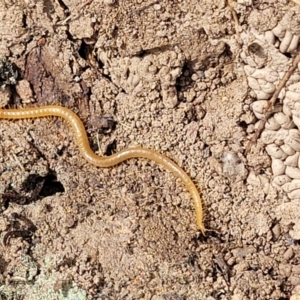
(82, 142)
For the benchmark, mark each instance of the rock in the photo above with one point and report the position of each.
(278, 167)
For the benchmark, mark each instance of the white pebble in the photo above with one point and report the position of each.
(292, 161)
(294, 194)
(292, 172)
(288, 150)
(259, 107)
(265, 73)
(296, 121)
(249, 70)
(253, 83)
(270, 37)
(286, 110)
(272, 124)
(278, 167)
(284, 45)
(109, 2)
(293, 140)
(291, 186)
(281, 180)
(279, 31)
(295, 87)
(253, 179)
(268, 136)
(276, 152)
(281, 135)
(281, 118)
(267, 87)
(292, 95)
(294, 44)
(260, 95)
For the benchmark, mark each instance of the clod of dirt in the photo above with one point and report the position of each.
(8, 73)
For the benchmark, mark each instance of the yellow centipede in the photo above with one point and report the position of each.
(104, 162)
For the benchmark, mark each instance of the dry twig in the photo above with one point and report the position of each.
(270, 108)
(235, 17)
(78, 12)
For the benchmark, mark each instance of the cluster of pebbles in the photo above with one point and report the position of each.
(281, 134)
(139, 75)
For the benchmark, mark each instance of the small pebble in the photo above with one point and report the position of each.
(289, 253)
(276, 232)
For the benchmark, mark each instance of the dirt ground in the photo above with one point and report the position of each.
(175, 76)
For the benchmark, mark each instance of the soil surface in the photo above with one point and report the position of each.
(168, 75)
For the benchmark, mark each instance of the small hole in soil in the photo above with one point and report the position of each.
(111, 148)
(84, 50)
(51, 186)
